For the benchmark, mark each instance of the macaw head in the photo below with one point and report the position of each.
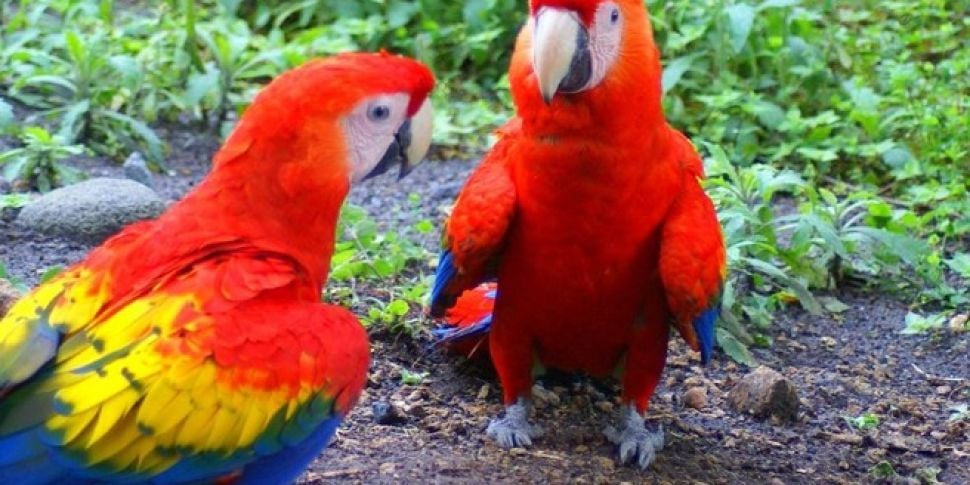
(348, 117)
(584, 53)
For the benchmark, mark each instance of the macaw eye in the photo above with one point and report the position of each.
(379, 112)
(615, 15)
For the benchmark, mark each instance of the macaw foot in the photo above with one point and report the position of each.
(514, 430)
(634, 439)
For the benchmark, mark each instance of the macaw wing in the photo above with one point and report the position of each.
(693, 258)
(201, 379)
(475, 231)
(33, 328)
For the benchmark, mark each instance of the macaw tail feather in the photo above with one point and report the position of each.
(704, 327)
(466, 325)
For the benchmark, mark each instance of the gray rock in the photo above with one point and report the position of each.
(765, 392)
(136, 169)
(91, 210)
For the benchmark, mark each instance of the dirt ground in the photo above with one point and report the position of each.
(842, 365)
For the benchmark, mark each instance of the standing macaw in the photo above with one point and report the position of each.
(590, 215)
(194, 348)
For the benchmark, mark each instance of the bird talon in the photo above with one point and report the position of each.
(514, 430)
(637, 443)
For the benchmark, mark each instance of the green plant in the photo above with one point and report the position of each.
(13, 201)
(883, 470)
(81, 86)
(16, 282)
(918, 324)
(38, 161)
(409, 378)
(235, 63)
(863, 422)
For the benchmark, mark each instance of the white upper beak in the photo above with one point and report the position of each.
(553, 48)
(421, 130)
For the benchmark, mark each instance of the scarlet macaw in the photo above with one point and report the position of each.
(194, 348)
(590, 215)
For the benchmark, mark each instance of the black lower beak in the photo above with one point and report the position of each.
(396, 154)
(581, 66)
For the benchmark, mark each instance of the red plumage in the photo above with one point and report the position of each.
(590, 214)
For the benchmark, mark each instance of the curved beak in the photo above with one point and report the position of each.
(560, 53)
(410, 145)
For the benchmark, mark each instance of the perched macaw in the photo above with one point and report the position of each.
(194, 348)
(589, 214)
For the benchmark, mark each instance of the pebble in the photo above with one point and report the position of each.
(604, 406)
(136, 169)
(388, 414)
(605, 462)
(959, 323)
(696, 398)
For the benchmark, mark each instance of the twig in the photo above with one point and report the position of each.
(857, 188)
(931, 377)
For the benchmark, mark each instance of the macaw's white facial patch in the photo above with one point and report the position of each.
(605, 36)
(370, 129)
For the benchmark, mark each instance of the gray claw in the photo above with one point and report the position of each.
(636, 442)
(514, 430)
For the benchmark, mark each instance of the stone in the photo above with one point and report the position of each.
(543, 397)
(388, 414)
(92, 210)
(696, 398)
(136, 169)
(8, 296)
(763, 393)
(959, 323)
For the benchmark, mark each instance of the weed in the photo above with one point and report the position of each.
(38, 161)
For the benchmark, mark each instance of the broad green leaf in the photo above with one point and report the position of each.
(770, 115)
(152, 142)
(50, 273)
(675, 70)
(805, 297)
(833, 305)
(741, 18)
(734, 348)
(960, 263)
(897, 157)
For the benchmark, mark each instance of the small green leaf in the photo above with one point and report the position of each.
(675, 70)
(833, 305)
(734, 348)
(50, 273)
(883, 469)
(864, 422)
(897, 157)
(398, 308)
(918, 324)
(960, 263)
(409, 378)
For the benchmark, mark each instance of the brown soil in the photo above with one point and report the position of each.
(842, 365)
